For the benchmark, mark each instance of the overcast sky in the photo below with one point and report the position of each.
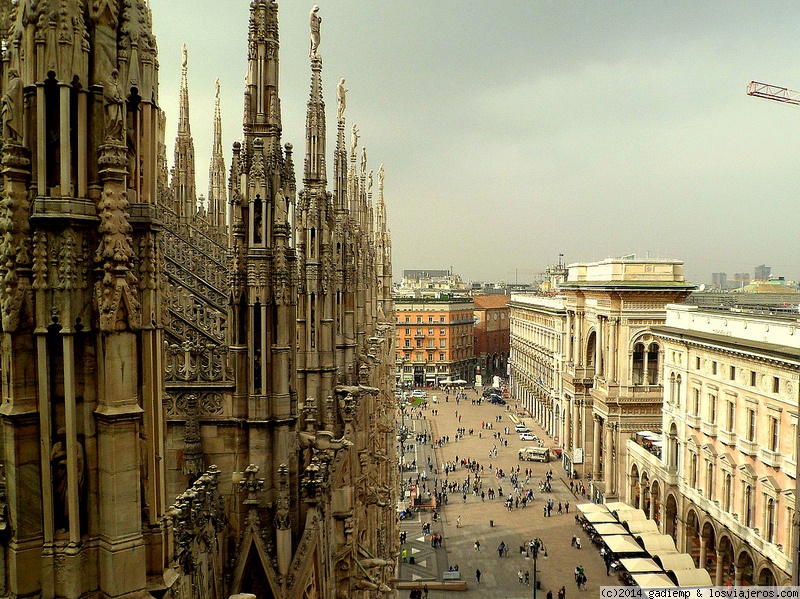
(513, 131)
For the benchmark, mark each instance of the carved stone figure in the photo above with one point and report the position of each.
(369, 183)
(363, 160)
(353, 140)
(58, 461)
(381, 175)
(341, 98)
(112, 97)
(314, 21)
(11, 107)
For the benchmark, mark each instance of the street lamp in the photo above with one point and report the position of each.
(536, 546)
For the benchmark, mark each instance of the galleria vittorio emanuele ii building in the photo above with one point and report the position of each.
(194, 401)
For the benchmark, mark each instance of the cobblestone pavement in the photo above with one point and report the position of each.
(514, 528)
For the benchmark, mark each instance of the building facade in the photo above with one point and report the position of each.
(723, 483)
(612, 380)
(538, 345)
(201, 405)
(434, 341)
(492, 334)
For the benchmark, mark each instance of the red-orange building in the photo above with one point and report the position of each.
(434, 341)
(492, 334)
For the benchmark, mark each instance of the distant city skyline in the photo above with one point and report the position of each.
(511, 133)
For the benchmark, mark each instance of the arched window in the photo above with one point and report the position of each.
(709, 480)
(638, 364)
(747, 506)
(769, 527)
(727, 488)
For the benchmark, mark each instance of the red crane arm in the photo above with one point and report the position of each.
(773, 92)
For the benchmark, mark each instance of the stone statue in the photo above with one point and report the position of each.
(185, 55)
(341, 100)
(381, 175)
(354, 140)
(314, 22)
(58, 461)
(11, 106)
(216, 87)
(363, 160)
(112, 97)
(281, 208)
(369, 183)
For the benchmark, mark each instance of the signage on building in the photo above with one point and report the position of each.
(577, 457)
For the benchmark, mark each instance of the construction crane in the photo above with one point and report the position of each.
(773, 92)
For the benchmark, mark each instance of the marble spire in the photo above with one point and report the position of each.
(216, 173)
(183, 173)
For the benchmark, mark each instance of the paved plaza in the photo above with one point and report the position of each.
(513, 528)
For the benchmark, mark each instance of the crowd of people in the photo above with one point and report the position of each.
(468, 477)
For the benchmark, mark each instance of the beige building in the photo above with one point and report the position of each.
(538, 345)
(722, 479)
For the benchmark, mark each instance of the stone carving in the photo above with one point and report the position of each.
(341, 100)
(61, 482)
(192, 442)
(11, 108)
(363, 160)
(314, 24)
(282, 516)
(381, 175)
(353, 140)
(369, 183)
(114, 107)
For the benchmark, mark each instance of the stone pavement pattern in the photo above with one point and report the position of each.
(515, 528)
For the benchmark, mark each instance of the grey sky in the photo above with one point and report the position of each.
(515, 131)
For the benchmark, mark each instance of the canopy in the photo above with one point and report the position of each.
(652, 581)
(599, 517)
(585, 508)
(609, 528)
(656, 543)
(636, 565)
(630, 515)
(621, 545)
(613, 506)
(674, 561)
(691, 578)
(641, 526)
(459, 382)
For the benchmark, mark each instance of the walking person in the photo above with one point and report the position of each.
(458, 522)
(478, 575)
(519, 576)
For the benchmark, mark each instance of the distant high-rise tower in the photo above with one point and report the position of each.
(719, 280)
(763, 273)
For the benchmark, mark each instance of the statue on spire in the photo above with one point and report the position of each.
(314, 21)
(354, 140)
(185, 54)
(341, 97)
(216, 86)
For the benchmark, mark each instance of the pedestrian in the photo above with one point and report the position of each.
(519, 576)
(550, 594)
(458, 522)
(566, 506)
(478, 575)
(562, 592)
(527, 578)
(404, 555)
(477, 545)
(425, 591)
(559, 508)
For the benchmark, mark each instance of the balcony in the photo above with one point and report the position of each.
(693, 421)
(747, 447)
(770, 458)
(709, 429)
(727, 437)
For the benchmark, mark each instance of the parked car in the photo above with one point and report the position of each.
(522, 428)
(497, 401)
(418, 393)
(528, 437)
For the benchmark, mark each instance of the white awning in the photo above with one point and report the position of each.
(692, 578)
(635, 565)
(600, 517)
(623, 545)
(585, 508)
(652, 581)
(609, 528)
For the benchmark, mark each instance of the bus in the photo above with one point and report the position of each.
(535, 454)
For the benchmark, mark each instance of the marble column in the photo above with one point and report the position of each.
(596, 449)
